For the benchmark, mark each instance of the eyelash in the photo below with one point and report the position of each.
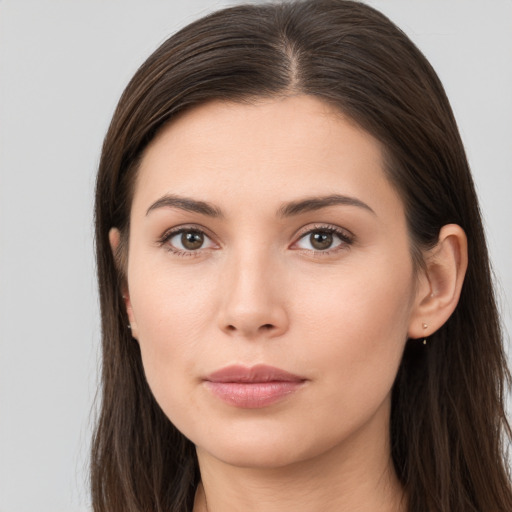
(346, 238)
(164, 240)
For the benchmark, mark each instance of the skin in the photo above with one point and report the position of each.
(259, 291)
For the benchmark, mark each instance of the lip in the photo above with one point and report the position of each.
(252, 387)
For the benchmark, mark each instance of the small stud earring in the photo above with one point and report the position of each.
(129, 327)
(424, 325)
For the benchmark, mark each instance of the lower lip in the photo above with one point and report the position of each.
(253, 395)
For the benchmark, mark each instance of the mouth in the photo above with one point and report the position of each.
(252, 387)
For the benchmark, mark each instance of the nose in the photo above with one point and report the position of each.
(253, 304)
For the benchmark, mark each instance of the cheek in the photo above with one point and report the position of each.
(370, 300)
(355, 328)
(173, 312)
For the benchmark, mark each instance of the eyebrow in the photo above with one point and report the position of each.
(187, 204)
(317, 203)
(286, 210)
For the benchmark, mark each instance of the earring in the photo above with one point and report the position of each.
(129, 327)
(424, 325)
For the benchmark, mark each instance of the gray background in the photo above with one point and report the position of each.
(63, 65)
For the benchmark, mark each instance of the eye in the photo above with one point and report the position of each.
(324, 239)
(186, 240)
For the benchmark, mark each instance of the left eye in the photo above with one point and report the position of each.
(322, 240)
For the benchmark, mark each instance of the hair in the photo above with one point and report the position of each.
(449, 431)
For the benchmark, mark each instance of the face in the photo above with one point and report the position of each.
(270, 283)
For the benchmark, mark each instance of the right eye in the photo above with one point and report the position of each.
(186, 240)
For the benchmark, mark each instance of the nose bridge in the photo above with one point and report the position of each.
(252, 304)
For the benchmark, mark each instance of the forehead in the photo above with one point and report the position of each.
(261, 153)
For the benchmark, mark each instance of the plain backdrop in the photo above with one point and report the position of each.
(63, 65)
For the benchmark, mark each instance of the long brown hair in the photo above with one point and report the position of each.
(448, 425)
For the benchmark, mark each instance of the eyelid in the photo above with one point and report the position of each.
(347, 238)
(319, 226)
(176, 230)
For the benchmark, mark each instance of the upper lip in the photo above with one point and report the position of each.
(257, 373)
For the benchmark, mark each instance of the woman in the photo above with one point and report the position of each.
(296, 299)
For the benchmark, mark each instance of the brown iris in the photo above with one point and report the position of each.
(192, 240)
(321, 240)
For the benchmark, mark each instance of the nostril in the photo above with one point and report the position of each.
(264, 327)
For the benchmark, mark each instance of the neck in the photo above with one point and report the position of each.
(355, 476)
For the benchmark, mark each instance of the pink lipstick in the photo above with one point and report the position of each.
(254, 387)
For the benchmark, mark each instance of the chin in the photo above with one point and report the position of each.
(265, 448)
(248, 455)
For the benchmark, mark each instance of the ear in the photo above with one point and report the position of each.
(114, 237)
(440, 283)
